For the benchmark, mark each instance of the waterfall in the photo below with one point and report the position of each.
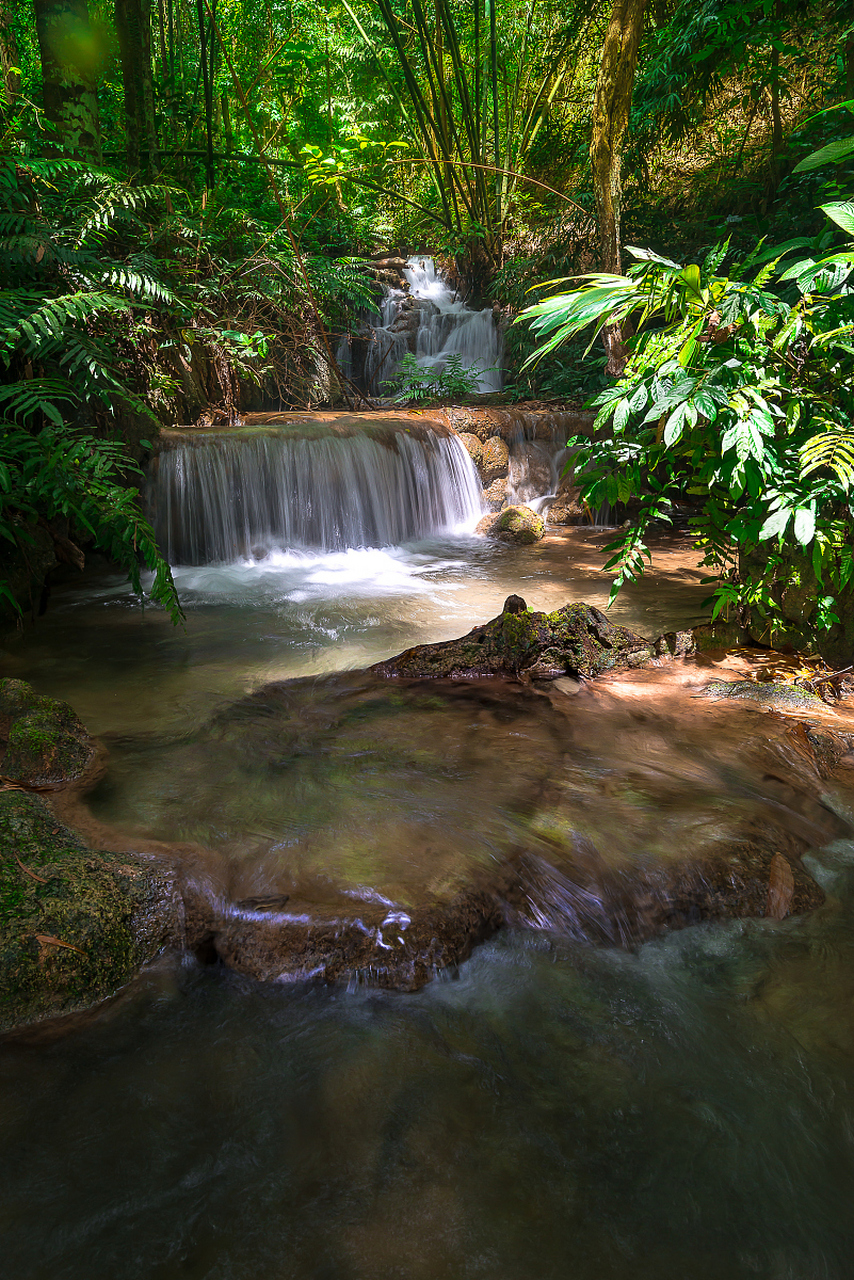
(432, 323)
(225, 496)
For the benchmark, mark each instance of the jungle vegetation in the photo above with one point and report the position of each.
(191, 191)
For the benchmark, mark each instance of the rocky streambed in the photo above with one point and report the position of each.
(550, 772)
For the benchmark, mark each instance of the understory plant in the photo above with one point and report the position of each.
(413, 382)
(736, 403)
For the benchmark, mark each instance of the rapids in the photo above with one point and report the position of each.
(546, 1109)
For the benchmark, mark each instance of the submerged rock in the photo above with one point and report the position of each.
(766, 693)
(576, 640)
(74, 924)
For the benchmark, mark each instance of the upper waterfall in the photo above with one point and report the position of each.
(223, 496)
(444, 326)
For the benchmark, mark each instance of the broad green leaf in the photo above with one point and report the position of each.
(842, 213)
(805, 525)
(833, 152)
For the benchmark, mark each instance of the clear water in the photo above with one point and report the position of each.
(551, 1110)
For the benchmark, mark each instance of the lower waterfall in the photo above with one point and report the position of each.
(226, 496)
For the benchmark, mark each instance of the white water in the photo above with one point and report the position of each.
(446, 327)
(227, 497)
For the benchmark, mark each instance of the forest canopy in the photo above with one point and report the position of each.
(192, 191)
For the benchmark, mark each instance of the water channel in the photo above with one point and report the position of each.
(552, 1107)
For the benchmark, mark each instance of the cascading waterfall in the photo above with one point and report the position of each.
(231, 495)
(444, 327)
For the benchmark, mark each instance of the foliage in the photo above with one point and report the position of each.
(56, 292)
(413, 382)
(61, 472)
(737, 399)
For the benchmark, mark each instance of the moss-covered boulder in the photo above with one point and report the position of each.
(575, 640)
(42, 741)
(514, 524)
(74, 924)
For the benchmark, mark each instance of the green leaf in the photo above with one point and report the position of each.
(842, 213)
(831, 154)
(805, 525)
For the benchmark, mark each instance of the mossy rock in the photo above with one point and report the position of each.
(42, 741)
(514, 524)
(575, 640)
(765, 693)
(74, 924)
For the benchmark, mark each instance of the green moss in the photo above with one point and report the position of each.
(112, 913)
(47, 742)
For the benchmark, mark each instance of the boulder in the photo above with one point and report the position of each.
(576, 640)
(495, 498)
(473, 445)
(42, 741)
(495, 460)
(514, 524)
(74, 924)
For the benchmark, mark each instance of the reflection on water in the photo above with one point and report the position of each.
(298, 614)
(549, 1111)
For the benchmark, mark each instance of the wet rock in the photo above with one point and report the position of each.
(531, 473)
(766, 694)
(401, 949)
(513, 524)
(494, 498)
(473, 445)
(781, 888)
(42, 742)
(567, 507)
(74, 924)
(576, 640)
(494, 461)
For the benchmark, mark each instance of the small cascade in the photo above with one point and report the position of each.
(226, 496)
(432, 323)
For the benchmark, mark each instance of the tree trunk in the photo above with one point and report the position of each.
(133, 24)
(611, 106)
(9, 63)
(68, 56)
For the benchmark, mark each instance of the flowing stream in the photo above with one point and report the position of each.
(549, 1108)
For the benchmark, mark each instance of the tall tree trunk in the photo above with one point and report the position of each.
(11, 76)
(68, 57)
(208, 89)
(133, 24)
(611, 106)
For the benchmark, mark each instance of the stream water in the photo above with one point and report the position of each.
(548, 1109)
